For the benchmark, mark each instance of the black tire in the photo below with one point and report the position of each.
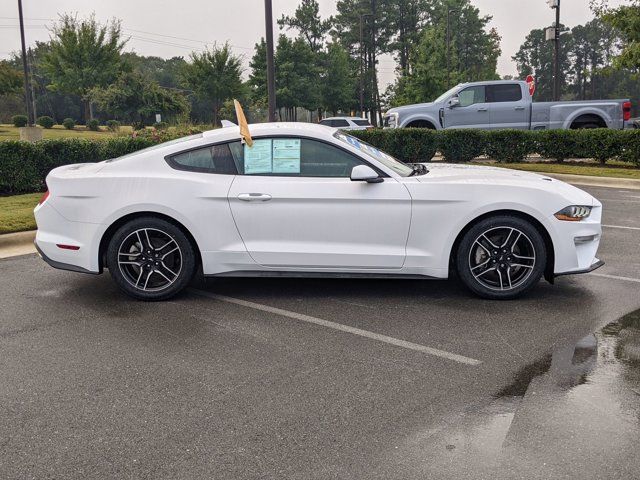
(165, 265)
(494, 265)
(588, 126)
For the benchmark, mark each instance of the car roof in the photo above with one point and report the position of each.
(344, 118)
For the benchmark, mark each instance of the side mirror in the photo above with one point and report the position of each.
(454, 101)
(364, 173)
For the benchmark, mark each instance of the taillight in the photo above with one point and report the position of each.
(626, 111)
(44, 197)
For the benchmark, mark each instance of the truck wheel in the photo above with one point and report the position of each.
(501, 257)
(151, 259)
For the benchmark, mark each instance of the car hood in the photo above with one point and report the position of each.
(410, 108)
(479, 174)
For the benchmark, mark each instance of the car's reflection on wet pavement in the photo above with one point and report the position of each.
(574, 413)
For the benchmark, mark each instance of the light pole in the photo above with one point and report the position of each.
(556, 59)
(362, 15)
(25, 66)
(271, 75)
(449, 10)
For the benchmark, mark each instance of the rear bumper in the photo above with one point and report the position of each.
(62, 266)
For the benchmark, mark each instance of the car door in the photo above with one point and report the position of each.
(509, 108)
(295, 207)
(473, 111)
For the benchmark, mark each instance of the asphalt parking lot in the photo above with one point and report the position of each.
(318, 379)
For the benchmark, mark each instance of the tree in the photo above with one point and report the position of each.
(10, 79)
(338, 85)
(296, 76)
(214, 76)
(258, 76)
(535, 57)
(83, 55)
(625, 19)
(136, 98)
(306, 19)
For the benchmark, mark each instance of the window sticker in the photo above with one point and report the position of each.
(286, 155)
(259, 158)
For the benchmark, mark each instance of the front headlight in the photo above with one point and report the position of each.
(574, 213)
(391, 120)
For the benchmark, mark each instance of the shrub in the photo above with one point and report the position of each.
(19, 120)
(509, 145)
(461, 145)
(45, 122)
(558, 144)
(93, 125)
(630, 146)
(68, 123)
(410, 145)
(18, 172)
(600, 144)
(113, 125)
(161, 125)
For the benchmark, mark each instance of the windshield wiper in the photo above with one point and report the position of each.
(418, 169)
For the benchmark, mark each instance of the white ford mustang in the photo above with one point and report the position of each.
(309, 200)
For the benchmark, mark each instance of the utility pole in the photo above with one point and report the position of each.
(271, 75)
(449, 10)
(362, 15)
(25, 66)
(555, 37)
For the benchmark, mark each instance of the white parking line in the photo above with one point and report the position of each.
(616, 277)
(343, 328)
(621, 226)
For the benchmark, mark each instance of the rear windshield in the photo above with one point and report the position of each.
(362, 123)
(160, 145)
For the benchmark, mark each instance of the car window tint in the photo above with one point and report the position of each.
(340, 123)
(326, 122)
(362, 123)
(305, 158)
(210, 159)
(472, 95)
(510, 92)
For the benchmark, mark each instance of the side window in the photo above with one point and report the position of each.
(326, 122)
(472, 95)
(510, 92)
(210, 159)
(293, 157)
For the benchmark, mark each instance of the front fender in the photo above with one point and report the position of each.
(421, 116)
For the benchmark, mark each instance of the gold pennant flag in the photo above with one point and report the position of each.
(242, 121)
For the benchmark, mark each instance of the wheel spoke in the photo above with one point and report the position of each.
(149, 244)
(506, 241)
(130, 254)
(130, 263)
(146, 282)
(493, 269)
(493, 245)
(168, 269)
(159, 272)
(521, 265)
(515, 242)
(500, 277)
(509, 277)
(482, 246)
(139, 277)
(159, 249)
(168, 253)
(481, 265)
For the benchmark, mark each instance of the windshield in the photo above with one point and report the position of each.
(446, 94)
(160, 145)
(372, 152)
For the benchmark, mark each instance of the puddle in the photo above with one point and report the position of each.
(574, 413)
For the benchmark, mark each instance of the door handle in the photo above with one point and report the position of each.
(482, 109)
(520, 108)
(254, 197)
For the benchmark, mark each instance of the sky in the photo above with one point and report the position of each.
(167, 28)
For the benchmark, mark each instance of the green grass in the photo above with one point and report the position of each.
(9, 132)
(16, 212)
(618, 170)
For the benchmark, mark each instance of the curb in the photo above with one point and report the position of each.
(17, 239)
(20, 243)
(628, 183)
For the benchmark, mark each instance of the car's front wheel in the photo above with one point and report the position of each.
(501, 257)
(150, 258)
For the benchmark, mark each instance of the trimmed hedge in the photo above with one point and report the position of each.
(24, 166)
(45, 121)
(19, 121)
(68, 123)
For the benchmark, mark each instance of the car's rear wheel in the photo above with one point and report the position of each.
(501, 257)
(150, 258)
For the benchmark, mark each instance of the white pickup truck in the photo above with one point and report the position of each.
(507, 104)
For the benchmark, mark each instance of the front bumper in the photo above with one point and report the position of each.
(594, 266)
